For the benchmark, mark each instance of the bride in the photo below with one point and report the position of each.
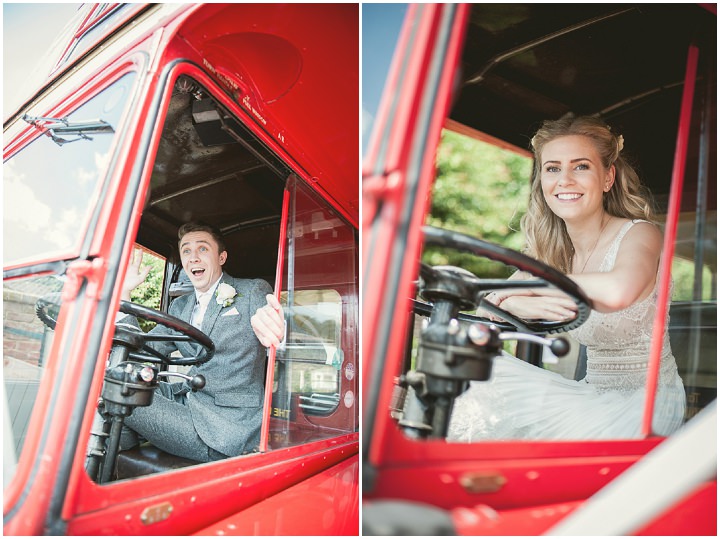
(588, 216)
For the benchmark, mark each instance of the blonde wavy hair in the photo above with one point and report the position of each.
(546, 236)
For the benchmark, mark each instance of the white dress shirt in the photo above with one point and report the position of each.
(202, 300)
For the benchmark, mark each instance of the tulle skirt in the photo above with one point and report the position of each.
(522, 401)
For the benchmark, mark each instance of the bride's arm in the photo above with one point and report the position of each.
(530, 303)
(631, 280)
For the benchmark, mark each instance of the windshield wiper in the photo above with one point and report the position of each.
(55, 127)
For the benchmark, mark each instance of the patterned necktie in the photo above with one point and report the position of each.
(200, 307)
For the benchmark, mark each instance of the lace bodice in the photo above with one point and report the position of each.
(618, 344)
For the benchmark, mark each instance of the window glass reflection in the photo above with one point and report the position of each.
(29, 311)
(315, 371)
(51, 187)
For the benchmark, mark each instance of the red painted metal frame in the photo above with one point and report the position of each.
(320, 505)
(270, 375)
(535, 474)
(95, 14)
(389, 188)
(678, 177)
(93, 18)
(683, 516)
(481, 519)
(201, 495)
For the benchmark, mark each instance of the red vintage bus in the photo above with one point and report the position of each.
(494, 72)
(240, 115)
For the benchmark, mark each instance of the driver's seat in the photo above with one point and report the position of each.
(146, 459)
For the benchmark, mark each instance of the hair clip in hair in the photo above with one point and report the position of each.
(620, 143)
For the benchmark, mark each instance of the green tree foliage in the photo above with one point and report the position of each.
(480, 190)
(149, 292)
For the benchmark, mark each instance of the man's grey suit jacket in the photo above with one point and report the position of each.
(227, 412)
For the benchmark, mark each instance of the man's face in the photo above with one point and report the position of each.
(201, 259)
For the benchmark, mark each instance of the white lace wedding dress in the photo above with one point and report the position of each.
(522, 401)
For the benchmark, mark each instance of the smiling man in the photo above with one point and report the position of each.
(241, 316)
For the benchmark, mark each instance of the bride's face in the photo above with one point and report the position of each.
(573, 178)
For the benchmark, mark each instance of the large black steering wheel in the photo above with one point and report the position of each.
(439, 279)
(184, 333)
(127, 334)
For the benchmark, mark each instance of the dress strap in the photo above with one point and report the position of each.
(609, 261)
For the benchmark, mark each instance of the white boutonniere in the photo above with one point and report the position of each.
(225, 294)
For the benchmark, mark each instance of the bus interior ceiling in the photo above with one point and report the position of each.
(525, 63)
(210, 168)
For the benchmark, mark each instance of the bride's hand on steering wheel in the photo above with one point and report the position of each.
(496, 299)
(537, 307)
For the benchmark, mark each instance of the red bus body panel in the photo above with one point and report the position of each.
(538, 483)
(282, 97)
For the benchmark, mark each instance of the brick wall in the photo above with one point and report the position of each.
(23, 332)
